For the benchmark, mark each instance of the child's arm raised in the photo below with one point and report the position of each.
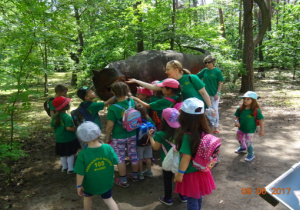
(144, 84)
(110, 101)
(109, 126)
(184, 163)
(141, 102)
(79, 180)
(155, 145)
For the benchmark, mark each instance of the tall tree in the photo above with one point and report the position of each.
(249, 43)
(222, 23)
(140, 38)
(173, 25)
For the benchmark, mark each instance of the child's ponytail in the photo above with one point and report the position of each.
(57, 120)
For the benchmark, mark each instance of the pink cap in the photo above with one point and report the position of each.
(154, 82)
(171, 83)
(145, 91)
(171, 116)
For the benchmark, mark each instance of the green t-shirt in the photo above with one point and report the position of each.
(62, 135)
(186, 149)
(154, 98)
(97, 167)
(160, 137)
(115, 114)
(247, 120)
(161, 104)
(211, 79)
(189, 89)
(51, 107)
(93, 109)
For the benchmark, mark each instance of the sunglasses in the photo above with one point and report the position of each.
(173, 62)
(208, 62)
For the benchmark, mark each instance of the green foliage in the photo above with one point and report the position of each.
(10, 153)
(282, 48)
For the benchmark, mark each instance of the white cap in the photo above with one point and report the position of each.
(88, 131)
(249, 94)
(190, 106)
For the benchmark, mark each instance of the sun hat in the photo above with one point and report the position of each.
(190, 106)
(171, 116)
(88, 131)
(171, 83)
(145, 91)
(82, 91)
(249, 94)
(60, 102)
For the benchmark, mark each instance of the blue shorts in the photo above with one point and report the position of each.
(106, 195)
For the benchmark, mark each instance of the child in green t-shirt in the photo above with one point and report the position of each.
(95, 167)
(190, 182)
(66, 145)
(144, 149)
(121, 139)
(247, 118)
(171, 90)
(87, 95)
(165, 139)
(144, 94)
(60, 90)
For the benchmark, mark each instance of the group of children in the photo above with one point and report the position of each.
(178, 127)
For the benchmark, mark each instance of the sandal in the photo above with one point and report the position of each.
(216, 132)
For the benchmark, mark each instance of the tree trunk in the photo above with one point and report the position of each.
(46, 67)
(268, 2)
(240, 31)
(222, 22)
(261, 69)
(249, 43)
(248, 55)
(173, 26)
(140, 39)
(80, 48)
(265, 21)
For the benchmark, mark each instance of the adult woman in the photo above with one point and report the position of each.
(213, 80)
(192, 86)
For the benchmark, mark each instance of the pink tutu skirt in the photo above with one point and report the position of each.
(196, 184)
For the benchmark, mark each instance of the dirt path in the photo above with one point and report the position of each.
(39, 184)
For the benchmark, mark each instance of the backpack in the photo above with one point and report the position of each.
(142, 138)
(207, 153)
(81, 114)
(153, 115)
(131, 119)
(176, 105)
(254, 115)
(46, 105)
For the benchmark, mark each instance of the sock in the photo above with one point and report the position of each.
(70, 160)
(64, 163)
(123, 179)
